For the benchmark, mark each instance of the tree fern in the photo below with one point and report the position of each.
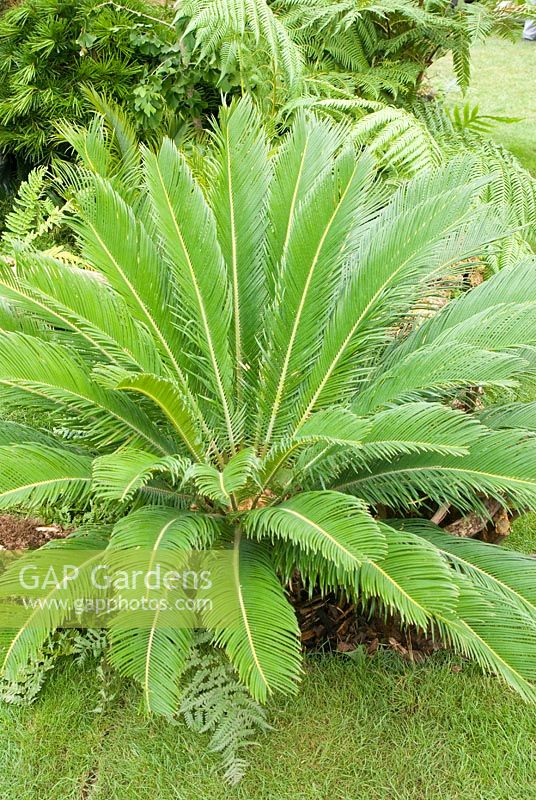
(511, 189)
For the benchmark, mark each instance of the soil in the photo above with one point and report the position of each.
(18, 533)
(333, 624)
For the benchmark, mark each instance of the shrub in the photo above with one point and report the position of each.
(172, 75)
(253, 370)
(52, 50)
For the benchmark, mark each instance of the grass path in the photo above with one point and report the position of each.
(375, 729)
(503, 82)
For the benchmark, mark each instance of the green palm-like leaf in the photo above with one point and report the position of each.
(51, 376)
(336, 426)
(154, 654)
(77, 301)
(335, 525)
(175, 405)
(263, 640)
(120, 475)
(241, 216)
(399, 251)
(437, 369)
(506, 573)
(35, 623)
(495, 635)
(492, 316)
(412, 579)
(512, 285)
(188, 230)
(152, 646)
(414, 427)
(35, 474)
(314, 256)
(512, 415)
(117, 245)
(299, 162)
(16, 433)
(149, 526)
(501, 465)
(221, 486)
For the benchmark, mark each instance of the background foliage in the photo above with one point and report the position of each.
(51, 51)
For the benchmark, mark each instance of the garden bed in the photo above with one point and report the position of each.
(21, 533)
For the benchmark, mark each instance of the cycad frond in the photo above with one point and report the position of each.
(314, 257)
(35, 474)
(153, 527)
(335, 426)
(411, 579)
(495, 635)
(189, 235)
(154, 655)
(238, 197)
(175, 405)
(421, 426)
(262, 642)
(120, 475)
(412, 240)
(77, 301)
(117, 245)
(512, 415)
(435, 369)
(150, 646)
(328, 523)
(223, 486)
(506, 573)
(31, 625)
(501, 464)
(49, 375)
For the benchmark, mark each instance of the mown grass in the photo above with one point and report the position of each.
(523, 536)
(361, 728)
(503, 81)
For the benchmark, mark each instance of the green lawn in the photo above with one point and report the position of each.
(503, 82)
(523, 536)
(368, 728)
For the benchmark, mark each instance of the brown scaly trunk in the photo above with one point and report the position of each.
(492, 527)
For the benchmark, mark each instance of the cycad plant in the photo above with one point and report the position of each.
(248, 361)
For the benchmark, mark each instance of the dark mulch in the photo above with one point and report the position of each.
(332, 624)
(17, 533)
